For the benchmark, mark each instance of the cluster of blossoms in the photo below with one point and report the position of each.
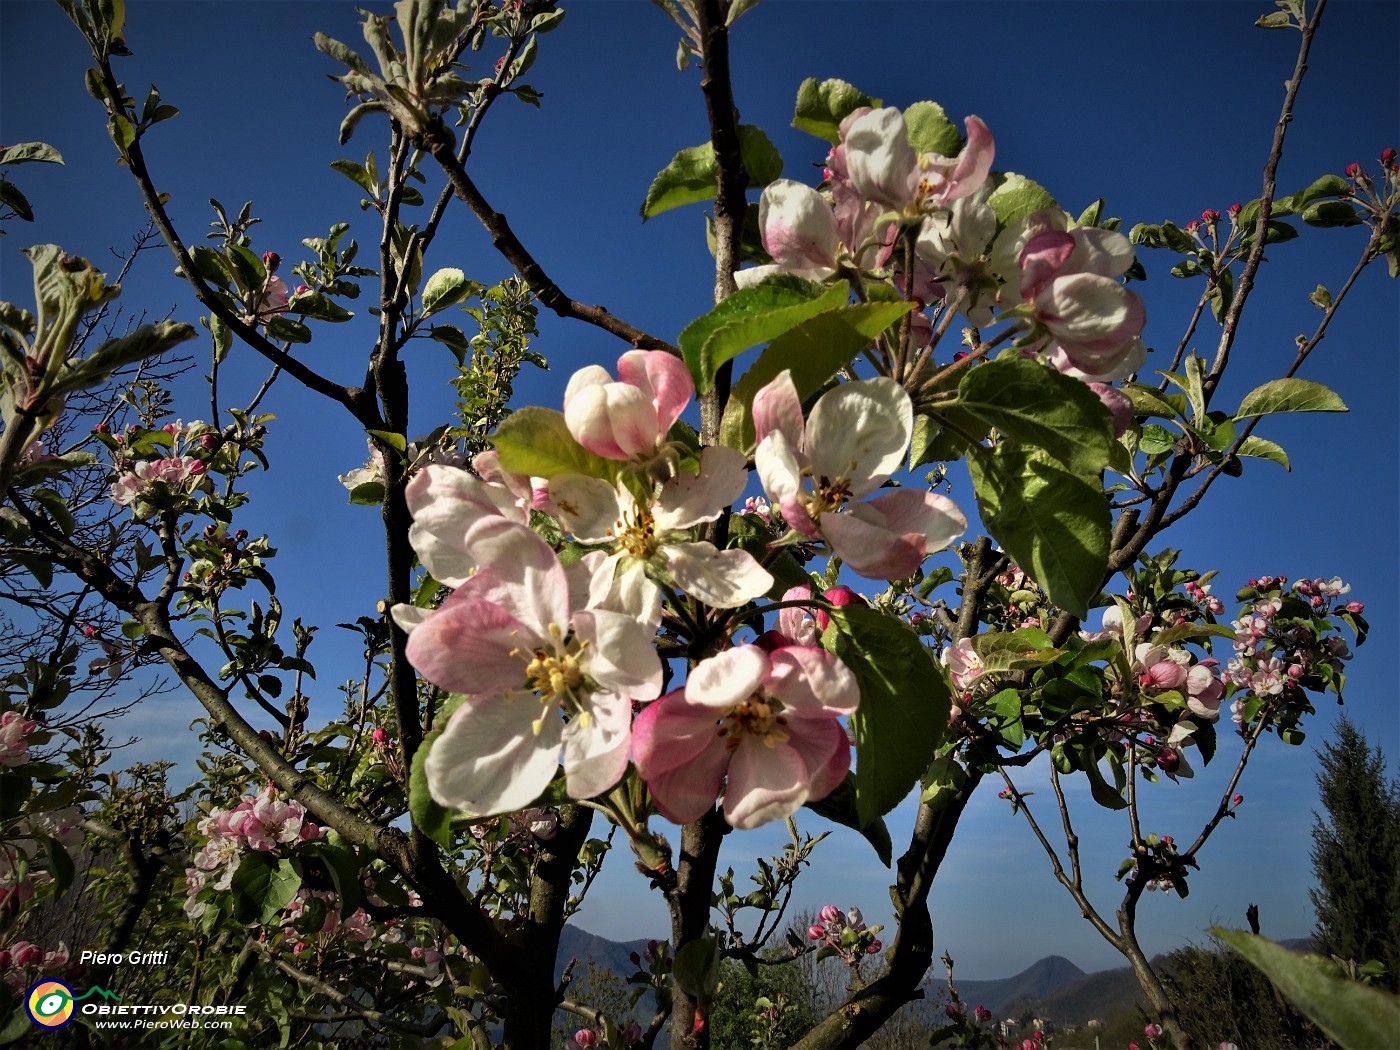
(556, 658)
(443, 452)
(1278, 644)
(844, 934)
(23, 962)
(271, 298)
(14, 733)
(259, 822)
(18, 878)
(147, 479)
(1061, 284)
(594, 1039)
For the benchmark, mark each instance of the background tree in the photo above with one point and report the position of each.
(1356, 853)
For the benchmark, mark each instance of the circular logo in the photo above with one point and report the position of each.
(50, 1004)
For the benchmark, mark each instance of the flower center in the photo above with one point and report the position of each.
(757, 716)
(636, 534)
(557, 676)
(552, 675)
(829, 496)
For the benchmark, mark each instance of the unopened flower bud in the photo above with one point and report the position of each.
(875, 947)
(830, 913)
(982, 1014)
(953, 1011)
(1234, 211)
(1237, 800)
(1356, 607)
(1168, 760)
(1210, 217)
(104, 428)
(1192, 226)
(271, 260)
(584, 1038)
(300, 289)
(816, 933)
(854, 917)
(1152, 1031)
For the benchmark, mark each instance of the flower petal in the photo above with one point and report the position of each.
(619, 654)
(689, 499)
(595, 753)
(522, 575)
(765, 783)
(811, 682)
(664, 379)
(777, 407)
(724, 579)
(680, 752)
(590, 508)
(860, 432)
(466, 647)
(489, 759)
(727, 678)
(826, 751)
(868, 548)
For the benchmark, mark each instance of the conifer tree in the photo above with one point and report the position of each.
(1356, 853)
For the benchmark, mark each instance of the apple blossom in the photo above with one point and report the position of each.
(857, 436)
(655, 542)
(885, 169)
(765, 722)
(14, 728)
(627, 418)
(512, 638)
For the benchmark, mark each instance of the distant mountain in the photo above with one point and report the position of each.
(1036, 982)
(582, 945)
(1093, 995)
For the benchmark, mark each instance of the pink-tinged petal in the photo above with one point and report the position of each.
(585, 378)
(664, 379)
(445, 502)
(1104, 252)
(724, 579)
(974, 162)
(1044, 255)
(489, 758)
(581, 575)
(1105, 368)
(860, 431)
(797, 226)
(689, 499)
(780, 470)
(466, 648)
(1092, 316)
(590, 508)
(811, 682)
(868, 548)
(881, 163)
(798, 625)
(408, 617)
(595, 754)
(622, 586)
(524, 574)
(825, 750)
(1119, 405)
(680, 752)
(619, 654)
(765, 783)
(727, 678)
(931, 514)
(777, 407)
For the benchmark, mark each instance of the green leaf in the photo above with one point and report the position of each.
(1330, 186)
(839, 807)
(690, 177)
(1039, 406)
(693, 172)
(27, 152)
(428, 817)
(696, 967)
(1147, 401)
(821, 106)
(1289, 395)
(344, 869)
(1054, 524)
(447, 287)
(904, 705)
(263, 888)
(287, 330)
(930, 130)
(1015, 196)
(1332, 213)
(1262, 448)
(368, 494)
(1183, 632)
(1353, 1015)
(395, 441)
(1273, 20)
(762, 160)
(812, 351)
(943, 781)
(749, 317)
(536, 441)
(17, 202)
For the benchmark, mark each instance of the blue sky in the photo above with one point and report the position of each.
(1165, 109)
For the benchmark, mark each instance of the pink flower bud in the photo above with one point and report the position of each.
(90, 631)
(379, 736)
(1234, 211)
(300, 289)
(1152, 1031)
(271, 260)
(874, 947)
(1237, 800)
(830, 914)
(1168, 760)
(1192, 226)
(816, 933)
(1210, 217)
(982, 1014)
(1356, 607)
(1167, 840)
(953, 1010)
(585, 1037)
(104, 428)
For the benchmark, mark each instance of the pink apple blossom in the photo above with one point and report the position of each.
(816, 471)
(886, 170)
(764, 722)
(656, 541)
(513, 638)
(630, 417)
(14, 728)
